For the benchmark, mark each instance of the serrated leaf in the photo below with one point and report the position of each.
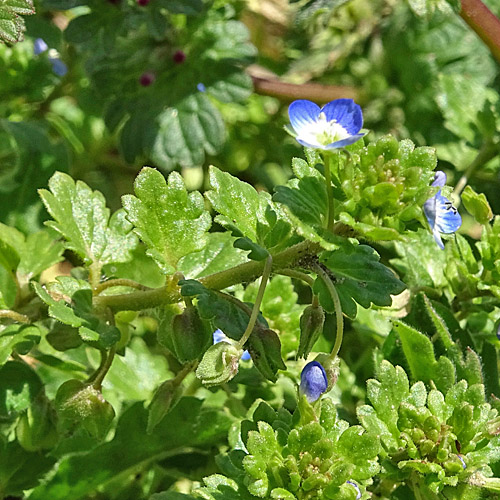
(169, 220)
(360, 277)
(73, 307)
(19, 338)
(81, 217)
(11, 25)
(419, 352)
(218, 254)
(247, 213)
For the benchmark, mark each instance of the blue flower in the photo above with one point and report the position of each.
(201, 87)
(313, 381)
(335, 125)
(442, 216)
(58, 67)
(39, 46)
(220, 336)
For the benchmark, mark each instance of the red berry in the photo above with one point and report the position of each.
(142, 3)
(179, 57)
(147, 78)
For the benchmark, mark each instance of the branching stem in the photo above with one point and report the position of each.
(119, 282)
(338, 309)
(256, 307)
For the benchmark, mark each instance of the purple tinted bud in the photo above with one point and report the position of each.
(358, 491)
(58, 67)
(39, 46)
(147, 79)
(179, 57)
(201, 87)
(313, 381)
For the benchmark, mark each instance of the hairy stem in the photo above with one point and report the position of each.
(330, 215)
(338, 309)
(103, 369)
(119, 282)
(484, 23)
(258, 300)
(20, 318)
(242, 273)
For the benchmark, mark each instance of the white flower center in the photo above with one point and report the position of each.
(324, 132)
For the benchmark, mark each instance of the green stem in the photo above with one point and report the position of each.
(103, 370)
(292, 273)
(486, 153)
(95, 276)
(20, 318)
(338, 309)
(246, 272)
(256, 307)
(330, 215)
(119, 282)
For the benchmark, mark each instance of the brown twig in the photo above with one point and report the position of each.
(484, 23)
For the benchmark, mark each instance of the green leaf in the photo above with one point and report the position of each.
(10, 242)
(219, 364)
(18, 338)
(419, 352)
(187, 7)
(218, 254)
(19, 386)
(246, 212)
(171, 222)
(11, 25)
(39, 252)
(21, 470)
(360, 277)
(477, 205)
(187, 426)
(81, 217)
(73, 307)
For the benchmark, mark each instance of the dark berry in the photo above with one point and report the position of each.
(179, 57)
(147, 79)
(142, 3)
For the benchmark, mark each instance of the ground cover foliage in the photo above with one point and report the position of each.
(193, 305)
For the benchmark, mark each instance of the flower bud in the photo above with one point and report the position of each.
(219, 364)
(331, 366)
(313, 381)
(190, 337)
(81, 405)
(164, 399)
(311, 326)
(36, 429)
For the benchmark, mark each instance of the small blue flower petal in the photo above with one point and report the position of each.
(201, 87)
(39, 46)
(302, 113)
(58, 67)
(356, 487)
(220, 336)
(441, 215)
(336, 125)
(246, 356)
(313, 381)
(345, 112)
(461, 458)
